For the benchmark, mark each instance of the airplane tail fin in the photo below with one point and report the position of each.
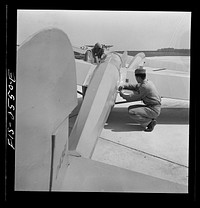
(136, 61)
(124, 58)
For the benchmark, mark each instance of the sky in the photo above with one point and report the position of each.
(126, 30)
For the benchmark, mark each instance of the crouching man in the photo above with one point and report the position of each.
(144, 114)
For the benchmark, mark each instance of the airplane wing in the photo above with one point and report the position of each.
(84, 71)
(79, 53)
(78, 50)
(109, 46)
(90, 45)
(172, 79)
(104, 46)
(170, 82)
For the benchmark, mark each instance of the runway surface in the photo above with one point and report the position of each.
(162, 153)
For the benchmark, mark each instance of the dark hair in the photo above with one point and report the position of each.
(142, 76)
(98, 52)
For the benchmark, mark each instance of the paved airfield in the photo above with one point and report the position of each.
(162, 153)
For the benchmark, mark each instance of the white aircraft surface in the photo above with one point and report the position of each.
(170, 83)
(104, 46)
(48, 156)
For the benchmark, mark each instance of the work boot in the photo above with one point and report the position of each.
(151, 126)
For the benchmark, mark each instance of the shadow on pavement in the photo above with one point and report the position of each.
(119, 119)
(174, 116)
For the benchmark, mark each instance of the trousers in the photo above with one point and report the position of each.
(143, 114)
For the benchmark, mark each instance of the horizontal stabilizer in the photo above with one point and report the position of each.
(84, 174)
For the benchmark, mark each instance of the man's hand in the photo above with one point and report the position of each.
(120, 88)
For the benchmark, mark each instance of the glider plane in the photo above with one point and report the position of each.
(48, 157)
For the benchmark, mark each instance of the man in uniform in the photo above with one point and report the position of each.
(144, 114)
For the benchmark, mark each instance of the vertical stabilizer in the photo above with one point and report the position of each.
(46, 95)
(124, 58)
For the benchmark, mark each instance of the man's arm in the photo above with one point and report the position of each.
(135, 96)
(131, 87)
(96, 59)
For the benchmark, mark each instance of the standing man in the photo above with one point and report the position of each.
(144, 114)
